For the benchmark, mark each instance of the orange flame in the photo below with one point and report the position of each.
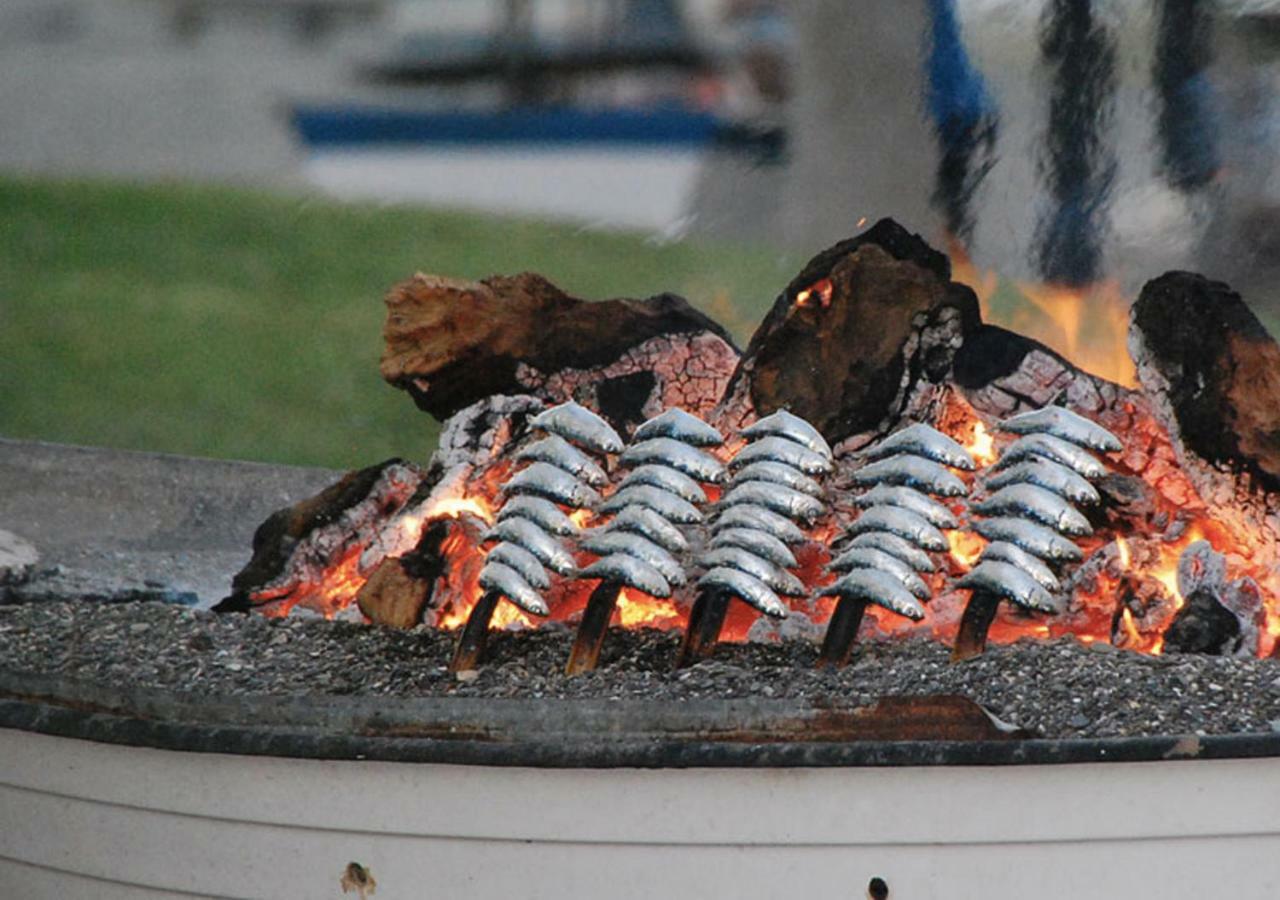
(966, 547)
(1087, 325)
(636, 610)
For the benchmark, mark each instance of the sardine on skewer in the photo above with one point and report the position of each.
(880, 588)
(550, 552)
(777, 473)
(558, 452)
(914, 472)
(649, 525)
(504, 580)
(668, 479)
(745, 587)
(1045, 473)
(925, 441)
(1036, 539)
(1010, 583)
(1065, 424)
(664, 503)
(905, 550)
(1003, 551)
(541, 511)
(871, 558)
(669, 452)
(770, 495)
(580, 425)
(1056, 449)
(902, 522)
(643, 549)
(628, 571)
(781, 450)
(775, 577)
(525, 563)
(791, 427)
(762, 544)
(909, 498)
(760, 519)
(545, 480)
(1027, 501)
(678, 425)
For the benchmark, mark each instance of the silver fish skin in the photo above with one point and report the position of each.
(649, 525)
(903, 549)
(681, 426)
(781, 450)
(740, 584)
(643, 549)
(787, 425)
(667, 479)
(1065, 424)
(1038, 540)
(664, 503)
(777, 473)
(507, 581)
(555, 450)
(1047, 474)
(550, 552)
(513, 556)
(925, 441)
(909, 498)
(759, 519)
(871, 558)
(671, 453)
(1030, 502)
(902, 522)
(1003, 551)
(914, 472)
(1009, 582)
(553, 483)
(580, 425)
(880, 588)
(628, 571)
(541, 511)
(771, 495)
(761, 543)
(775, 578)
(1066, 453)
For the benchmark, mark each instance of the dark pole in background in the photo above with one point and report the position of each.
(1186, 123)
(1078, 166)
(964, 120)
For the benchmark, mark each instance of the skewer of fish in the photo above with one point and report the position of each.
(1031, 517)
(774, 486)
(532, 523)
(641, 546)
(900, 524)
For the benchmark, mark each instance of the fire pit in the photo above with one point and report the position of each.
(755, 765)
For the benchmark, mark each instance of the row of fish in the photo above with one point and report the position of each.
(531, 525)
(1031, 508)
(901, 521)
(772, 488)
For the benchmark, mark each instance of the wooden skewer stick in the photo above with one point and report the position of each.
(585, 654)
(842, 633)
(705, 621)
(469, 652)
(977, 618)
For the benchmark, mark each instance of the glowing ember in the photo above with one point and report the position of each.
(982, 446)
(966, 547)
(454, 507)
(637, 610)
(816, 294)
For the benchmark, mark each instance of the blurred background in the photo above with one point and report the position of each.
(203, 201)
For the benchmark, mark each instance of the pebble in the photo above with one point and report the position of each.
(1058, 688)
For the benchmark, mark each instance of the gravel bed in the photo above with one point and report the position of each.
(1057, 689)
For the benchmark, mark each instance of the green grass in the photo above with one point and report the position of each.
(230, 323)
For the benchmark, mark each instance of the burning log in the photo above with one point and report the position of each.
(664, 484)
(748, 554)
(452, 343)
